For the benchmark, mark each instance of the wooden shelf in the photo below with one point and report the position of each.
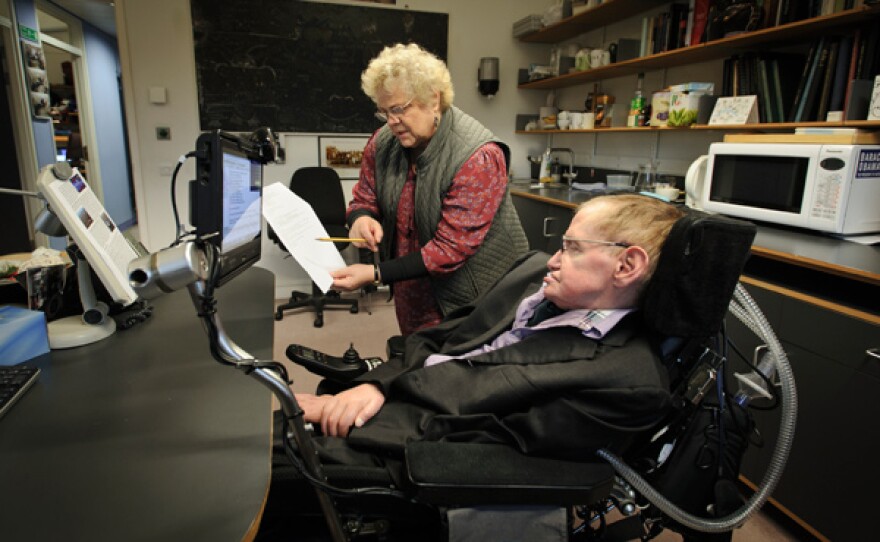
(761, 127)
(800, 31)
(604, 14)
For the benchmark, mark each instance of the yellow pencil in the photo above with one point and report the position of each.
(341, 239)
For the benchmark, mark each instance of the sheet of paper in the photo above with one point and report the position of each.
(298, 227)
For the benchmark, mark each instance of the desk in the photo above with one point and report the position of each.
(143, 436)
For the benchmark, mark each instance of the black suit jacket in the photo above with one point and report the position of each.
(556, 393)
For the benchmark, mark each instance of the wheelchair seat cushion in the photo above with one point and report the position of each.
(471, 473)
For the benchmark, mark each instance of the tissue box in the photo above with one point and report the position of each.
(23, 335)
(683, 108)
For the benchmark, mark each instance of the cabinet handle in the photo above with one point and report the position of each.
(873, 353)
(547, 220)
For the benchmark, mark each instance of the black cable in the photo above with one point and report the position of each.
(178, 235)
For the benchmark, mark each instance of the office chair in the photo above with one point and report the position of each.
(321, 188)
(76, 152)
(680, 475)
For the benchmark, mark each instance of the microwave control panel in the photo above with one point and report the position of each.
(834, 165)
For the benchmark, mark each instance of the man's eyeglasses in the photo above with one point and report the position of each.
(568, 242)
(397, 111)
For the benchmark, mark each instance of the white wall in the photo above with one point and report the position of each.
(156, 50)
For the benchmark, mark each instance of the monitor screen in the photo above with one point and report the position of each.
(87, 222)
(226, 199)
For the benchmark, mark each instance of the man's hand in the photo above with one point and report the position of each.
(367, 228)
(338, 413)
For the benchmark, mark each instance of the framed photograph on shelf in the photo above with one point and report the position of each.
(344, 154)
(37, 79)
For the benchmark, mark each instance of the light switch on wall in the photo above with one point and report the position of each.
(158, 95)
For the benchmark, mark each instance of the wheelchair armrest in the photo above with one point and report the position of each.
(471, 474)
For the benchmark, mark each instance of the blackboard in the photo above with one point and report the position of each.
(295, 66)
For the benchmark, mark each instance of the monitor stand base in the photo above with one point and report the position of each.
(71, 331)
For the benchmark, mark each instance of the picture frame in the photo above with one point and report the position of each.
(344, 154)
(37, 78)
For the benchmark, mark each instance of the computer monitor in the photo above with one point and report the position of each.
(226, 199)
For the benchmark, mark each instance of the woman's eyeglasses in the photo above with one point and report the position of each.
(396, 112)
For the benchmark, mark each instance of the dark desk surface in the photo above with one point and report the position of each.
(143, 436)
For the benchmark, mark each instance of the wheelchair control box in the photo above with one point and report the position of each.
(341, 369)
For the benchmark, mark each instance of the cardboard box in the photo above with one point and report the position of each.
(23, 335)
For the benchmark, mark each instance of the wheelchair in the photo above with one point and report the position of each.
(681, 475)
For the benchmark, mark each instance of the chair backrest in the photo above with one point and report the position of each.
(321, 188)
(700, 264)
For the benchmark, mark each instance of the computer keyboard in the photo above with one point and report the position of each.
(14, 382)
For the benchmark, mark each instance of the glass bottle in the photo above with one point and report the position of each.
(636, 115)
(645, 178)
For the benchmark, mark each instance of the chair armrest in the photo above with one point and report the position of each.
(470, 474)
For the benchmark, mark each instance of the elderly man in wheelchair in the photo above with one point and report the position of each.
(590, 381)
(489, 424)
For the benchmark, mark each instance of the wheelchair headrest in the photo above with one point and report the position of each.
(699, 267)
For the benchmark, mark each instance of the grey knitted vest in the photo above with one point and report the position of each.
(457, 138)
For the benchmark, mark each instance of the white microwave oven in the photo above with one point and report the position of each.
(823, 187)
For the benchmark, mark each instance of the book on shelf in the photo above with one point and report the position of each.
(853, 65)
(701, 18)
(841, 67)
(806, 80)
(814, 83)
(765, 94)
(786, 69)
(827, 79)
(768, 16)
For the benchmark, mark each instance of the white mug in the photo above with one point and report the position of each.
(589, 121)
(596, 58)
(606, 58)
(577, 120)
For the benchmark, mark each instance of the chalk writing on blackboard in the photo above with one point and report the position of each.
(295, 66)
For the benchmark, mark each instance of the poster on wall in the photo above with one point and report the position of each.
(344, 154)
(37, 78)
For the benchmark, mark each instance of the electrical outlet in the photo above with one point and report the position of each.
(163, 133)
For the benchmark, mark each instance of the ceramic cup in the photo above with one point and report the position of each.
(606, 58)
(577, 120)
(667, 191)
(596, 58)
(589, 121)
(563, 124)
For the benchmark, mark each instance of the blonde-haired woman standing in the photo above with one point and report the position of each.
(432, 195)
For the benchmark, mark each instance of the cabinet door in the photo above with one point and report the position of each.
(543, 223)
(836, 435)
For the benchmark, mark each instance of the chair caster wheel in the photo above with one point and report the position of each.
(353, 310)
(319, 321)
(278, 316)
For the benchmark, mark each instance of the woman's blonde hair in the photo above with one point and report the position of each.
(410, 69)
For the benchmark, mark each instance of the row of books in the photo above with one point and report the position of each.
(769, 13)
(666, 31)
(793, 87)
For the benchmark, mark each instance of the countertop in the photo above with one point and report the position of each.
(802, 248)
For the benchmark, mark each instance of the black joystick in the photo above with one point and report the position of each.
(351, 355)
